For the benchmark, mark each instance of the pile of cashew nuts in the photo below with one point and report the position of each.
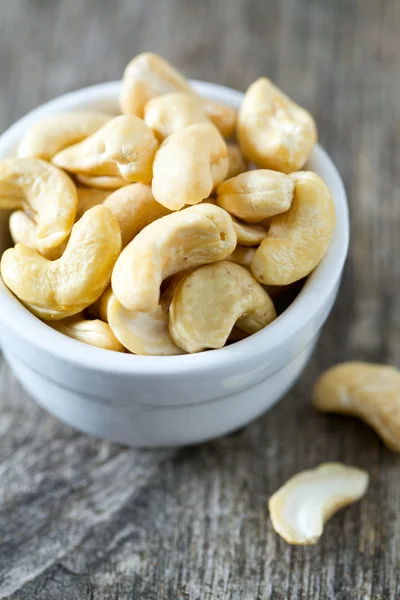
(170, 228)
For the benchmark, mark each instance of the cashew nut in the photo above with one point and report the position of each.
(237, 162)
(49, 194)
(188, 165)
(124, 146)
(242, 256)
(64, 287)
(169, 113)
(143, 332)
(52, 134)
(299, 238)
(134, 208)
(23, 231)
(300, 508)
(247, 235)
(183, 240)
(98, 310)
(96, 332)
(273, 131)
(210, 300)
(256, 195)
(149, 75)
(106, 183)
(89, 197)
(368, 391)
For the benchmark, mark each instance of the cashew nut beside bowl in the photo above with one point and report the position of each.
(95, 333)
(149, 75)
(188, 166)
(365, 390)
(300, 508)
(124, 146)
(299, 238)
(256, 195)
(64, 287)
(47, 191)
(52, 134)
(169, 113)
(273, 131)
(194, 236)
(210, 300)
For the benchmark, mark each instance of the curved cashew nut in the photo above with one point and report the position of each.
(300, 508)
(107, 182)
(124, 146)
(299, 238)
(249, 235)
(169, 113)
(23, 231)
(49, 194)
(368, 391)
(87, 198)
(237, 162)
(144, 333)
(273, 131)
(149, 75)
(228, 295)
(99, 309)
(64, 287)
(242, 256)
(256, 195)
(180, 241)
(134, 208)
(95, 333)
(52, 134)
(188, 165)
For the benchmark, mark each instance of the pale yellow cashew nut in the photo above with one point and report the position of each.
(273, 131)
(124, 146)
(365, 390)
(64, 287)
(298, 239)
(242, 256)
(210, 300)
(52, 134)
(48, 193)
(301, 507)
(256, 195)
(92, 332)
(237, 162)
(248, 235)
(188, 166)
(183, 240)
(149, 75)
(134, 208)
(98, 310)
(89, 197)
(172, 112)
(107, 182)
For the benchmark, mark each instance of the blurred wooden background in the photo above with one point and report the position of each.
(81, 518)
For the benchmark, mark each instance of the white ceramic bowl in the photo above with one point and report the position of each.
(163, 401)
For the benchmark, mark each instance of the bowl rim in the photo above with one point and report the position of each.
(315, 294)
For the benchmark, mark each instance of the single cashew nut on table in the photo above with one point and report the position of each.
(180, 241)
(169, 113)
(365, 390)
(52, 134)
(134, 208)
(124, 146)
(256, 195)
(48, 193)
(144, 333)
(210, 300)
(298, 239)
(273, 131)
(64, 287)
(149, 75)
(92, 332)
(188, 166)
(300, 508)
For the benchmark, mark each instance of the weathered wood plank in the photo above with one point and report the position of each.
(82, 518)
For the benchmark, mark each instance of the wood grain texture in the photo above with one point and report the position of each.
(85, 519)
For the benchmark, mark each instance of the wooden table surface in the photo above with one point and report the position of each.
(84, 519)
